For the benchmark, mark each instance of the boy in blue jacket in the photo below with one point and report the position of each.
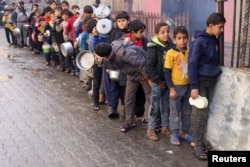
(203, 70)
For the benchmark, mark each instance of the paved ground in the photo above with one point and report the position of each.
(46, 120)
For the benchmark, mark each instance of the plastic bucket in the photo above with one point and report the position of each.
(46, 48)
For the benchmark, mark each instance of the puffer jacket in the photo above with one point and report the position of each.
(155, 59)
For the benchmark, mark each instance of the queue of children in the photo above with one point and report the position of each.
(157, 76)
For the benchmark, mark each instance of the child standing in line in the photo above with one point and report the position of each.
(176, 75)
(203, 70)
(158, 46)
(8, 26)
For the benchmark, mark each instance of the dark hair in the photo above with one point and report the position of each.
(75, 7)
(46, 10)
(58, 8)
(21, 2)
(88, 9)
(51, 1)
(180, 29)
(65, 2)
(90, 24)
(103, 49)
(66, 12)
(159, 25)
(215, 18)
(34, 5)
(122, 15)
(136, 25)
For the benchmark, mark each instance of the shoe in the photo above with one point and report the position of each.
(152, 135)
(126, 127)
(47, 63)
(72, 73)
(58, 67)
(37, 52)
(174, 140)
(61, 69)
(114, 115)
(166, 131)
(144, 120)
(188, 137)
(88, 87)
(96, 108)
(199, 153)
(68, 70)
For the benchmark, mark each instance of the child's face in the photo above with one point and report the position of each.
(181, 41)
(138, 35)
(53, 6)
(65, 17)
(64, 6)
(47, 14)
(163, 34)
(57, 13)
(52, 16)
(216, 29)
(122, 23)
(74, 10)
(34, 8)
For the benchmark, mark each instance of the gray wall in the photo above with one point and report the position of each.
(229, 121)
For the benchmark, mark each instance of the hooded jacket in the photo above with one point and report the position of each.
(155, 59)
(130, 59)
(203, 58)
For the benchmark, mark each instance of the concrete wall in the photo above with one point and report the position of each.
(229, 121)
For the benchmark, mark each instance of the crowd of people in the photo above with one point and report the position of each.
(157, 76)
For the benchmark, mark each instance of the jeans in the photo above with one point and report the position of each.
(180, 109)
(206, 89)
(159, 100)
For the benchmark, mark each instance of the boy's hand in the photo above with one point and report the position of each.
(194, 93)
(149, 82)
(173, 94)
(162, 85)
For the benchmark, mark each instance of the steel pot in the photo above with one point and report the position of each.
(102, 11)
(104, 27)
(67, 49)
(16, 32)
(85, 60)
(114, 75)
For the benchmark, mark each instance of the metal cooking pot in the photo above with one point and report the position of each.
(16, 32)
(104, 26)
(102, 11)
(114, 75)
(67, 49)
(85, 60)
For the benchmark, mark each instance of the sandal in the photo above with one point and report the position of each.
(174, 140)
(125, 128)
(199, 153)
(151, 135)
(114, 115)
(166, 131)
(188, 138)
(96, 108)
